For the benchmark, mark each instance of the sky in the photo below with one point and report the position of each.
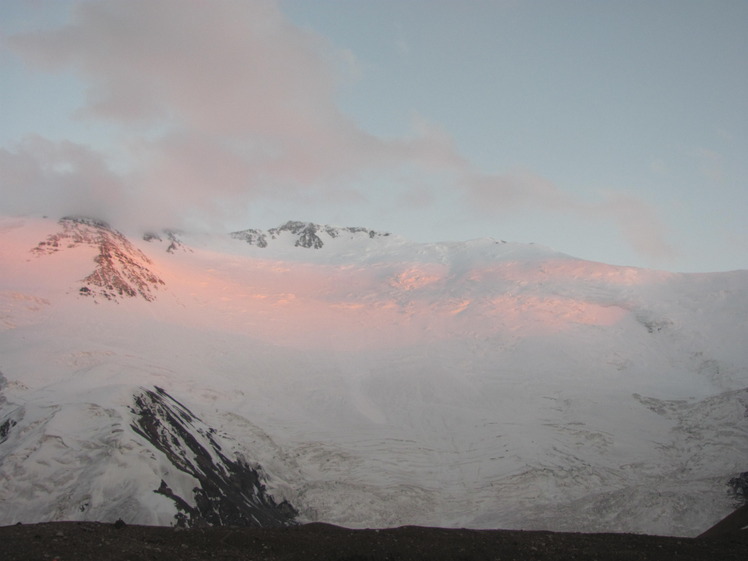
(615, 131)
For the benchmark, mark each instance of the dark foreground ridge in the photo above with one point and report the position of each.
(90, 541)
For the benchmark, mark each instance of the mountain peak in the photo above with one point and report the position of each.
(304, 234)
(172, 236)
(121, 269)
(86, 221)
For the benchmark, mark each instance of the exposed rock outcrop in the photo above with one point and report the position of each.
(122, 270)
(305, 234)
(230, 491)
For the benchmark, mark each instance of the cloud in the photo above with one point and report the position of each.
(224, 103)
(220, 101)
(490, 193)
(58, 178)
(225, 67)
(639, 224)
(637, 221)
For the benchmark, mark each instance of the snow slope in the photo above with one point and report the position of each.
(368, 380)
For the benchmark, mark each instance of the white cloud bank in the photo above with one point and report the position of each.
(223, 103)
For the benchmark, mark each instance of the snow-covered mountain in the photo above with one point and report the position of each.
(349, 376)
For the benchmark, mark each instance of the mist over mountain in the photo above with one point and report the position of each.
(321, 373)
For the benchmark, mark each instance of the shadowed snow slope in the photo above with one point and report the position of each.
(365, 380)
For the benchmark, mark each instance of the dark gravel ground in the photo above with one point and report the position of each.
(90, 541)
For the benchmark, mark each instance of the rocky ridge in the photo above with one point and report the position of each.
(304, 234)
(122, 270)
(230, 492)
(171, 236)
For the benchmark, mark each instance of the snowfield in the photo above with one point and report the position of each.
(366, 380)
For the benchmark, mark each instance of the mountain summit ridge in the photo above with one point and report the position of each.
(307, 235)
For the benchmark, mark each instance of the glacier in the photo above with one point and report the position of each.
(364, 380)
